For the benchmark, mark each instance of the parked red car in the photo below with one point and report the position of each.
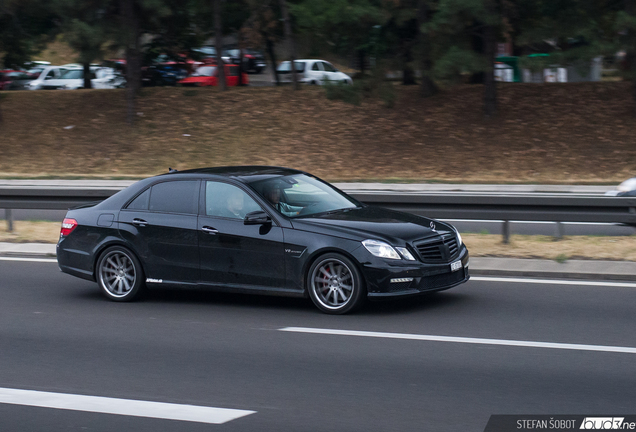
(208, 76)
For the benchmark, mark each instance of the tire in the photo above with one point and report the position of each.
(119, 274)
(313, 83)
(335, 284)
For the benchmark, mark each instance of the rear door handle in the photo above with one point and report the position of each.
(139, 222)
(210, 230)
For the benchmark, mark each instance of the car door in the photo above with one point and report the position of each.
(233, 254)
(161, 225)
(315, 73)
(231, 75)
(329, 71)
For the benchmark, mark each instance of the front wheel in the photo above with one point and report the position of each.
(119, 274)
(335, 284)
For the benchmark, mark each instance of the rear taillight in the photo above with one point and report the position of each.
(68, 225)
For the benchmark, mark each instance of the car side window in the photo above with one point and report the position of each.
(233, 71)
(328, 67)
(141, 202)
(228, 201)
(315, 67)
(175, 197)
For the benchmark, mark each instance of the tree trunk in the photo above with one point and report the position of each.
(362, 61)
(241, 68)
(630, 52)
(490, 85)
(88, 84)
(218, 35)
(133, 62)
(290, 41)
(272, 57)
(427, 86)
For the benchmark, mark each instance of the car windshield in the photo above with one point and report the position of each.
(205, 71)
(73, 74)
(301, 195)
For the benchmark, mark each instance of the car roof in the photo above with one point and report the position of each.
(245, 174)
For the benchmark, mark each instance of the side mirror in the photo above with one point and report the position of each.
(258, 217)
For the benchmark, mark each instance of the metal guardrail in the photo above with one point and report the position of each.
(449, 205)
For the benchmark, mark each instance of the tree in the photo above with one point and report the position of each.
(346, 26)
(470, 30)
(262, 29)
(25, 27)
(290, 42)
(218, 31)
(427, 85)
(85, 26)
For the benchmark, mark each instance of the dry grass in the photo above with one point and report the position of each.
(553, 133)
(545, 247)
(479, 245)
(30, 232)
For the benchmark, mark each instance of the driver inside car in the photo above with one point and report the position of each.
(273, 195)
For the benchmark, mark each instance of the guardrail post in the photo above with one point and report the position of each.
(9, 216)
(506, 231)
(558, 233)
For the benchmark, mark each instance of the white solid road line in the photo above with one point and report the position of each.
(553, 281)
(531, 344)
(128, 407)
(47, 260)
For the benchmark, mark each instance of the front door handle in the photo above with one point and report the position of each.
(139, 222)
(210, 230)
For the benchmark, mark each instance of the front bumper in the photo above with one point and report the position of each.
(391, 279)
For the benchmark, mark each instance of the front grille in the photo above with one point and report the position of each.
(441, 248)
(441, 280)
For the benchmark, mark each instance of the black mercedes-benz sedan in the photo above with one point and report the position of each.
(256, 229)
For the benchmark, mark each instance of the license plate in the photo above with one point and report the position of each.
(456, 266)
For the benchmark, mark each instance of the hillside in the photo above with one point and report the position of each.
(553, 133)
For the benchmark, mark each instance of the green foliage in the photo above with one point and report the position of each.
(25, 28)
(351, 94)
(561, 258)
(374, 86)
(457, 61)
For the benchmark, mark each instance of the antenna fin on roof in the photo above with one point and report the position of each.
(171, 170)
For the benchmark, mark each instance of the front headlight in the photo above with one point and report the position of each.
(405, 253)
(381, 249)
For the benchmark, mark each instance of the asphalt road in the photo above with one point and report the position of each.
(58, 334)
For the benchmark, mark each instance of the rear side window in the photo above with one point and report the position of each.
(233, 71)
(175, 197)
(141, 202)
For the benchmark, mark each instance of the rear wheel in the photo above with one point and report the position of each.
(335, 284)
(119, 274)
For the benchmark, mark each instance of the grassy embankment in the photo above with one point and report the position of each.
(553, 133)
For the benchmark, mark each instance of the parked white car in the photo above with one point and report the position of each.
(315, 72)
(73, 79)
(47, 74)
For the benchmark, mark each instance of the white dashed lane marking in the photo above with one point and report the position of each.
(465, 340)
(127, 407)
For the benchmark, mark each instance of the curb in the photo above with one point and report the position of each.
(553, 275)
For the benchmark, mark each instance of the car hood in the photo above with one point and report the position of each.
(370, 222)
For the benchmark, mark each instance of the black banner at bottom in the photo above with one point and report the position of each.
(510, 423)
